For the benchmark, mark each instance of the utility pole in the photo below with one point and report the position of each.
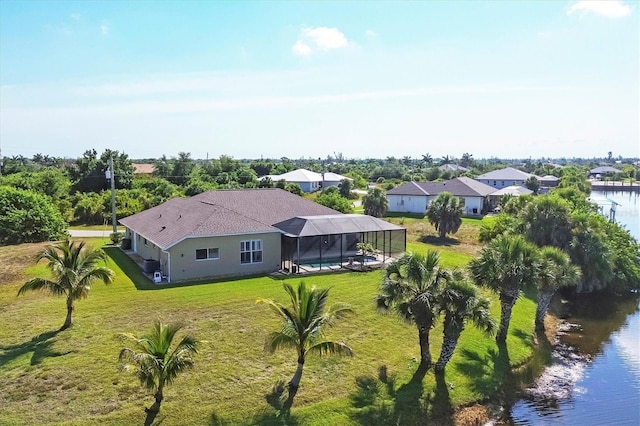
(112, 175)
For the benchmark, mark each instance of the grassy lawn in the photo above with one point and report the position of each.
(70, 377)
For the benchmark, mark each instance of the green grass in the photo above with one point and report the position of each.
(70, 377)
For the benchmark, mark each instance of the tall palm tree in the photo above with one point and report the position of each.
(445, 213)
(375, 203)
(461, 302)
(410, 287)
(506, 265)
(154, 361)
(304, 323)
(427, 159)
(74, 268)
(556, 270)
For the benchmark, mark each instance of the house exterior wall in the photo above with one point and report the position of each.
(499, 184)
(471, 203)
(184, 266)
(308, 186)
(146, 248)
(407, 203)
(328, 183)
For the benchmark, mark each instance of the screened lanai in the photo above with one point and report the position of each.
(332, 241)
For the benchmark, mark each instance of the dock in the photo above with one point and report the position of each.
(606, 185)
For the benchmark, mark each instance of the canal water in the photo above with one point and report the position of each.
(594, 376)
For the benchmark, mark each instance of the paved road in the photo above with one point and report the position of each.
(89, 233)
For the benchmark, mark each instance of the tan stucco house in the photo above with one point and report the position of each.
(228, 233)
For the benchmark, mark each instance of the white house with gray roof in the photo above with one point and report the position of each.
(415, 197)
(502, 178)
(251, 232)
(307, 180)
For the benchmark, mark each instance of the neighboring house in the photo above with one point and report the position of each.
(549, 181)
(307, 180)
(502, 178)
(513, 190)
(251, 231)
(143, 169)
(415, 197)
(598, 172)
(452, 168)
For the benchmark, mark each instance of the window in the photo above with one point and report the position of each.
(251, 251)
(145, 242)
(502, 183)
(208, 253)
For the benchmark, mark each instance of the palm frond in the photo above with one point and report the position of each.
(279, 340)
(331, 348)
(43, 284)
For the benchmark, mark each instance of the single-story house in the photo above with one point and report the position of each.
(415, 197)
(307, 180)
(226, 233)
(452, 168)
(549, 181)
(502, 178)
(603, 170)
(513, 190)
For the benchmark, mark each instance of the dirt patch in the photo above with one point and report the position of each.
(14, 259)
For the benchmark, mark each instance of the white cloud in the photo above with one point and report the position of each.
(75, 16)
(608, 8)
(104, 29)
(370, 33)
(319, 39)
(301, 49)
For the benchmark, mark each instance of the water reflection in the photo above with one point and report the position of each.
(594, 377)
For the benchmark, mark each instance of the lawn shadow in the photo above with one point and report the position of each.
(41, 346)
(437, 241)
(377, 401)
(530, 292)
(150, 419)
(442, 407)
(488, 373)
(272, 417)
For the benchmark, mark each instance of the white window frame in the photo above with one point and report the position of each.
(213, 253)
(254, 250)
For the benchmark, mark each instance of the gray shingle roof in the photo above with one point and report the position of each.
(508, 173)
(460, 187)
(221, 212)
(604, 169)
(307, 226)
(453, 167)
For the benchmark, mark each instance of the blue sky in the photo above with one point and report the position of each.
(508, 79)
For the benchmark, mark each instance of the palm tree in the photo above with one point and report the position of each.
(427, 159)
(547, 221)
(153, 360)
(375, 203)
(445, 213)
(74, 268)
(506, 265)
(556, 270)
(303, 328)
(460, 301)
(466, 160)
(410, 287)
